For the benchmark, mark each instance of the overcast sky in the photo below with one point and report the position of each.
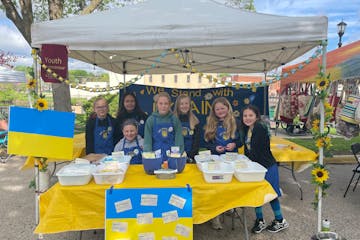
(336, 10)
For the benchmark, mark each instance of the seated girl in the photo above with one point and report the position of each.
(132, 143)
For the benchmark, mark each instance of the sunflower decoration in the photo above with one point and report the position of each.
(319, 176)
(323, 142)
(315, 126)
(42, 163)
(41, 103)
(322, 139)
(322, 84)
(329, 110)
(31, 84)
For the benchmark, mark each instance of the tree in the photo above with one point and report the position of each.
(23, 12)
(7, 58)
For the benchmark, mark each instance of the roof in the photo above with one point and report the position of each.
(212, 37)
(341, 63)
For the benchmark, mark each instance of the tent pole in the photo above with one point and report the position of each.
(266, 97)
(321, 149)
(124, 75)
(36, 166)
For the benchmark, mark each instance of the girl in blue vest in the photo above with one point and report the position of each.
(190, 125)
(256, 136)
(221, 135)
(99, 133)
(132, 143)
(221, 129)
(130, 109)
(163, 128)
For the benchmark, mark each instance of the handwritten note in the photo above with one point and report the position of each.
(144, 218)
(177, 201)
(147, 236)
(170, 216)
(149, 200)
(123, 205)
(119, 227)
(182, 230)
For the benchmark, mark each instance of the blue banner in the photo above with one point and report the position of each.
(202, 98)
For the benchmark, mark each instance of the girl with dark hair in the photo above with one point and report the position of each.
(130, 109)
(256, 139)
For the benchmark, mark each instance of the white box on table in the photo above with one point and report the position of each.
(74, 174)
(217, 172)
(254, 172)
(203, 158)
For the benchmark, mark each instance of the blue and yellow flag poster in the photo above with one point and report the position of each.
(151, 214)
(37, 133)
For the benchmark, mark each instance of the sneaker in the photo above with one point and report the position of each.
(216, 224)
(277, 226)
(258, 226)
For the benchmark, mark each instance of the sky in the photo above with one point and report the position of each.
(336, 10)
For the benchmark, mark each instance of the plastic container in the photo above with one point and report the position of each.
(177, 163)
(109, 172)
(234, 157)
(121, 159)
(109, 177)
(254, 172)
(217, 172)
(74, 174)
(200, 159)
(151, 164)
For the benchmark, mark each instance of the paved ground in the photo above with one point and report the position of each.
(17, 208)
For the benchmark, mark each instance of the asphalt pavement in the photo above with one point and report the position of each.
(17, 209)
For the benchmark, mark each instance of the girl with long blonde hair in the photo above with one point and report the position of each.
(190, 125)
(221, 134)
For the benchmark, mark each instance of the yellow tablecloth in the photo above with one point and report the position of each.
(78, 151)
(74, 208)
(285, 151)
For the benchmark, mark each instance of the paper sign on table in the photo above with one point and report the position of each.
(170, 216)
(144, 218)
(149, 200)
(182, 230)
(147, 236)
(177, 201)
(119, 227)
(123, 206)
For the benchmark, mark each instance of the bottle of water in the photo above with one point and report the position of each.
(325, 226)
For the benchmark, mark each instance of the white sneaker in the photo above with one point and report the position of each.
(216, 224)
(277, 226)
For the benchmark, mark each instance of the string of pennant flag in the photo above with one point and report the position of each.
(182, 61)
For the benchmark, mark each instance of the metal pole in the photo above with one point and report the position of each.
(321, 150)
(124, 75)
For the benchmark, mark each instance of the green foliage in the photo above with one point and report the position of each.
(113, 100)
(340, 146)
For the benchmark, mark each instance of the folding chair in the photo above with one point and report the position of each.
(355, 148)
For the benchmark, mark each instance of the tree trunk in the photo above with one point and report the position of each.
(60, 91)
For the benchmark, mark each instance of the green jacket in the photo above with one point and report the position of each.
(148, 134)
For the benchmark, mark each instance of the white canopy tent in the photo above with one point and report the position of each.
(217, 38)
(212, 37)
